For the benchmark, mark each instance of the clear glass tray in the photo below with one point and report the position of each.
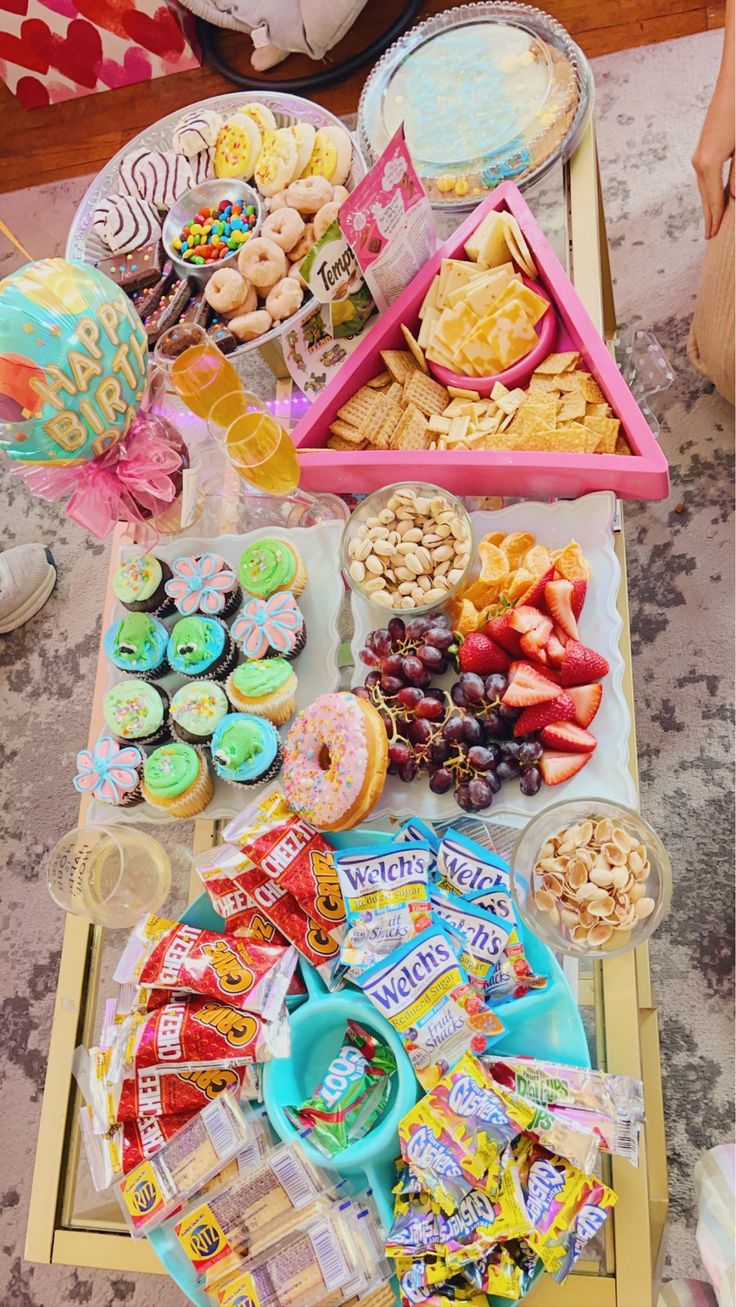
(485, 91)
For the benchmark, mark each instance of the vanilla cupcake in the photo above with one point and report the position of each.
(266, 688)
(178, 780)
(269, 565)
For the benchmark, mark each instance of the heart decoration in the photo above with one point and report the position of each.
(15, 6)
(135, 67)
(160, 34)
(32, 93)
(75, 55)
(67, 8)
(22, 50)
(105, 13)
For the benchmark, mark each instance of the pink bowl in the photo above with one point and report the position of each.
(520, 373)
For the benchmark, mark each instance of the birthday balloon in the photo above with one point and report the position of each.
(73, 363)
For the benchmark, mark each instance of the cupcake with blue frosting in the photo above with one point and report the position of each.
(201, 648)
(246, 750)
(136, 644)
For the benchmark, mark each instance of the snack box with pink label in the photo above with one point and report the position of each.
(540, 472)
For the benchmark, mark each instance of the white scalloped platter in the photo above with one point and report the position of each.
(589, 520)
(316, 666)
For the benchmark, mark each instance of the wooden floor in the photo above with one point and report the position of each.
(78, 136)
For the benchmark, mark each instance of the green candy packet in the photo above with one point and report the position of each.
(350, 1097)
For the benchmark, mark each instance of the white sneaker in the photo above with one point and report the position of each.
(27, 577)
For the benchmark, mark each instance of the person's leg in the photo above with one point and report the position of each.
(711, 342)
(27, 577)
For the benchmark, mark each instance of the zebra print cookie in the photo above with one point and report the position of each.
(197, 132)
(160, 178)
(126, 222)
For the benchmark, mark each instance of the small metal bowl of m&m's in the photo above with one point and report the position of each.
(208, 226)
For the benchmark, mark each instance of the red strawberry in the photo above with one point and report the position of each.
(534, 596)
(478, 653)
(527, 686)
(581, 665)
(569, 737)
(586, 701)
(579, 590)
(558, 598)
(555, 651)
(498, 629)
(531, 649)
(559, 767)
(561, 709)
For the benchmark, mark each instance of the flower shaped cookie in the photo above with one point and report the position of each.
(107, 771)
(200, 584)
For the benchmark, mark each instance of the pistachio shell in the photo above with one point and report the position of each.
(603, 830)
(554, 865)
(548, 850)
(636, 862)
(602, 906)
(619, 876)
(615, 855)
(585, 855)
(602, 876)
(587, 918)
(586, 892)
(576, 874)
(623, 839)
(553, 885)
(569, 917)
(579, 935)
(636, 892)
(644, 908)
(544, 900)
(643, 874)
(599, 934)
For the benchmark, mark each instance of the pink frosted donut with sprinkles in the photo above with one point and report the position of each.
(335, 758)
(270, 628)
(204, 583)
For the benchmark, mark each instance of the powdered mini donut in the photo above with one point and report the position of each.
(226, 290)
(303, 245)
(323, 217)
(248, 305)
(248, 326)
(309, 194)
(262, 262)
(340, 194)
(284, 299)
(277, 201)
(284, 227)
(295, 273)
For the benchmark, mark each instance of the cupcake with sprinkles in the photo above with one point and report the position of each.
(270, 628)
(196, 710)
(136, 644)
(246, 750)
(203, 584)
(110, 774)
(266, 688)
(137, 711)
(139, 585)
(202, 649)
(177, 778)
(269, 565)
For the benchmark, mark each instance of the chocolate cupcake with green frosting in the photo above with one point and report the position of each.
(246, 750)
(177, 779)
(196, 710)
(266, 687)
(202, 649)
(140, 585)
(137, 711)
(269, 565)
(136, 644)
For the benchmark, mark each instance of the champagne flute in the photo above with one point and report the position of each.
(196, 369)
(111, 876)
(264, 455)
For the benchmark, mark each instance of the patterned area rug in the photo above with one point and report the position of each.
(650, 103)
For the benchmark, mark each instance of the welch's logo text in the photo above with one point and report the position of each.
(401, 983)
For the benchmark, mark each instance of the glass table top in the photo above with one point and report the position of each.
(82, 1207)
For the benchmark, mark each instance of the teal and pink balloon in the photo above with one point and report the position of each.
(73, 363)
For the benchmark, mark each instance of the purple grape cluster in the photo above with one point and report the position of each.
(484, 729)
(464, 741)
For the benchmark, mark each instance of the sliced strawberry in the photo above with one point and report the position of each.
(534, 596)
(558, 598)
(559, 767)
(579, 590)
(525, 618)
(479, 653)
(498, 629)
(562, 636)
(532, 650)
(561, 709)
(527, 685)
(581, 665)
(555, 651)
(570, 737)
(586, 700)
